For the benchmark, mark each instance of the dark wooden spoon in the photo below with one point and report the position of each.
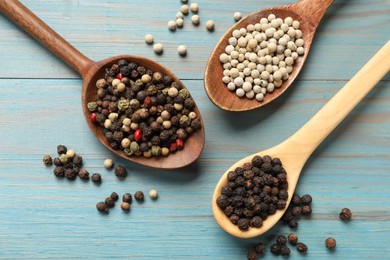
(308, 12)
(91, 71)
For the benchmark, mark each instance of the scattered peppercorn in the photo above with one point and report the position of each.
(330, 243)
(301, 247)
(96, 178)
(260, 248)
(285, 251)
(292, 238)
(108, 163)
(47, 160)
(281, 240)
(345, 214)
(139, 196)
(306, 199)
(61, 149)
(127, 198)
(114, 196)
(252, 255)
(110, 202)
(120, 171)
(275, 249)
(125, 206)
(83, 174)
(153, 194)
(102, 207)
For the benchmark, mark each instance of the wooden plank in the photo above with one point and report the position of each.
(44, 217)
(347, 37)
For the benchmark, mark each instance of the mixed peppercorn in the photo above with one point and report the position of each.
(254, 191)
(143, 112)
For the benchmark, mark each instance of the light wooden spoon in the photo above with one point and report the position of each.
(91, 71)
(294, 151)
(308, 12)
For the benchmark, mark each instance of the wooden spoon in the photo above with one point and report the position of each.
(91, 71)
(308, 12)
(294, 151)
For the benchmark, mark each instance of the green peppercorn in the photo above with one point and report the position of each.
(92, 106)
(139, 82)
(184, 121)
(184, 93)
(134, 104)
(156, 150)
(64, 158)
(123, 104)
(47, 160)
(134, 146)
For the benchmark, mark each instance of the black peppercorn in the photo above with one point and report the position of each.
(260, 248)
(296, 210)
(96, 178)
(345, 214)
(47, 160)
(61, 149)
(127, 198)
(301, 247)
(57, 162)
(139, 196)
(256, 222)
(243, 224)
(275, 249)
(285, 251)
(293, 223)
(70, 174)
(234, 219)
(120, 171)
(296, 200)
(281, 240)
(77, 160)
(306, 210)
(223, 201)
(292, 238)
(306, 199)
(59, 171)
(252, 255)
(102, 207)
(114, 196)
(110, 202)
(330, 243)
(83, 174)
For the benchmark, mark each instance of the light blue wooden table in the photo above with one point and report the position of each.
(45, 217)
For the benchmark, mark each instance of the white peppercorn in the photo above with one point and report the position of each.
(149, 38)
(70, 153)
(184, 9)
(179, 22)
(158, 48)
(250, 94)
(153, 194)
(108, 163)
(182, 50)
(259, 97)
(179, 15)
(125, 143)
(172, 25)
(240, 92)
(194, 7)
(195, 19)
(210, 25)
(237, 16)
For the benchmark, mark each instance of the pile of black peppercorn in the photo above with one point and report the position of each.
(108, 203)
(254, 192)
(299, 206)
(143, 112)
(68, 164)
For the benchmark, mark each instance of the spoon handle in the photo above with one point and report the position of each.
(34, 26)
(312, 11)
(307, 139)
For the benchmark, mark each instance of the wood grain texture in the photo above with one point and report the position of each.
(42, 217)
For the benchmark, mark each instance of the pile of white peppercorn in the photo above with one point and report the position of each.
(261, 56)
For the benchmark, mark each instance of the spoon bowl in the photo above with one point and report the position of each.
(295, 150)
(308, 12)
(92, 71)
